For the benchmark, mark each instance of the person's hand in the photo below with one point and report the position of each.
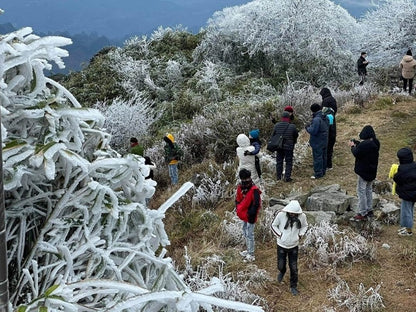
(246, 153)
(351, 143)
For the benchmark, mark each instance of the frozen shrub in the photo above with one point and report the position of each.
(326, 245)
(364, 300)
(210, 187)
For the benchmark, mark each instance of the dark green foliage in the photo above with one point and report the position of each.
(96, 82)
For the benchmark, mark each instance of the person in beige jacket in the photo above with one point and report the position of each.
(408, 66)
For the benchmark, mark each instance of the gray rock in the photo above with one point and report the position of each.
(338, 202)
(316, 217)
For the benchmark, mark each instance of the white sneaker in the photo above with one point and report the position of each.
(244, 253)
(249, 258)
(403, 229)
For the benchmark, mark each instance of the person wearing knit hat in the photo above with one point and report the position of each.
(405, 180)
(253, 136)
(289, 226)
(408, 68)
(290, 134)
(362, 67)
(366, 155)
(318, 131)
(173, 153)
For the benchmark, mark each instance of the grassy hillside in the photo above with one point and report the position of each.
(393, 118)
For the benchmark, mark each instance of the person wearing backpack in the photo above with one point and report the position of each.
(248, 204)
(329, 108)
(245, 159)
(318, 131)
(173, 154)
(290, 135)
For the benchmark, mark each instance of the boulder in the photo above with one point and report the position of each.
(316, 217)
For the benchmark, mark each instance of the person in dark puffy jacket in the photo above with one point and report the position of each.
(405, 179)
(290, 134)
(329, 101)
(318, 131)
(366, 155)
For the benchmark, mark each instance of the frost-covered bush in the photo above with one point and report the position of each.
(326, 245)
(127, 118)
(364, 300)
(213, 268)
(210, 187)
(232, 234)
(386, 31)
(79, 234)
(308, 39)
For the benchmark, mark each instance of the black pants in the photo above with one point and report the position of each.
(410, 81)
(330, 151)
(292, 255)
(287, 156)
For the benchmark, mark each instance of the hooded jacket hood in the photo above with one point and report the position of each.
(407, 58)
(293, 207)
(405, 155)
(367, 133)
(243, 140)
(170, 137)
(325, 92)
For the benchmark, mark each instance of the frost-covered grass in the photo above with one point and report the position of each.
(364, 300)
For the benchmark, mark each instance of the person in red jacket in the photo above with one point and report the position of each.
(248, 204)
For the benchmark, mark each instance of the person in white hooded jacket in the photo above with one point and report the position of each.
(289, 226)
(246, 160)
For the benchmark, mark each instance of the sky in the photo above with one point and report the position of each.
(122, 18)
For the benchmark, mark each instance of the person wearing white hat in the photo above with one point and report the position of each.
(289, 226)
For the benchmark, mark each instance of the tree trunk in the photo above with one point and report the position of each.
(4, 281)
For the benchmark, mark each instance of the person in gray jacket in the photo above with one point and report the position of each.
(289, 226)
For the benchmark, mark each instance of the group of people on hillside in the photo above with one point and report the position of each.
(290, 224)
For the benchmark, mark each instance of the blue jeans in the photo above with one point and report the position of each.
(248, 232)
(406, 214)
(173, 173)
(292, 255)
(286, 155)
(319, 161)
(365, 196)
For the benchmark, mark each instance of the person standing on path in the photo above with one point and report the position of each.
(289, 226)
(362, 67)
(173, 154)
(290, 135)
(328, 101)
(408, 67)
(318, 130)
(248, 204)
(366, 155)
(246, 160)
(405, 180)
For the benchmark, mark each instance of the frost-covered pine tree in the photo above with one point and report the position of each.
(79, 235)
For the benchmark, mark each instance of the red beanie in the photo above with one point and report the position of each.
(289, 109)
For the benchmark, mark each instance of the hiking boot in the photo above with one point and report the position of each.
(280, 277)
(244, 253)
(288, 180)
(405, 233)
(294, 291)
(359, 217)
(370, 214)
(249, 258)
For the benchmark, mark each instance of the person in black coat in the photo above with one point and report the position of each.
(366, 155)
(290, 135)
(405, 179)
(362, 67)
(329, 101)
